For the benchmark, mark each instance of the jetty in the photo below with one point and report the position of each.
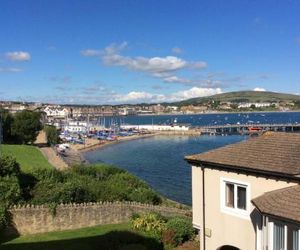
(245, 129)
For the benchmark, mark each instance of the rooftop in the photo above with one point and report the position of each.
(271, 153)
(284, 203)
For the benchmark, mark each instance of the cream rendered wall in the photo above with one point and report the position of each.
(227, 229)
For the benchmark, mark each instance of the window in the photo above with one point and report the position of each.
(278, 237)
(235, 197)
(296, 239)
(229, 195)
(293, 237)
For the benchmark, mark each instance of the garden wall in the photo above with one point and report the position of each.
(31, 219)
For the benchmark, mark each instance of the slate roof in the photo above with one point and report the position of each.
(284, 203)
(271, 153)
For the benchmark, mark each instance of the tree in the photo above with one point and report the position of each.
(51, 134)
(7, 121)
(26, 126)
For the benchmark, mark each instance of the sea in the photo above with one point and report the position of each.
(159, 160)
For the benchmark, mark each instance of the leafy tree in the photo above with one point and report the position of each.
(51, 134)
(26, 126)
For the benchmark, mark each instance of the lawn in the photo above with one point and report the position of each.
(117, 236)
(29, 157)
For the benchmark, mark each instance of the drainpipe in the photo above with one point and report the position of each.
(203, 207)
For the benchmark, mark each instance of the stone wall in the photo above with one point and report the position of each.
(31, 219)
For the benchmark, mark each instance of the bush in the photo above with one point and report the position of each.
(169, 238)
(10, 190)
(182, 227)
(151, 223)
(9, 166)
(97, 172)
(4, 217)
(89, 184)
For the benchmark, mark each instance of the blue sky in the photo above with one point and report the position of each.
(123, 51)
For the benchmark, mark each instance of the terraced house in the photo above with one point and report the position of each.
(247, 195)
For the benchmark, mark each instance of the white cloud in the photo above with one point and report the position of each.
(138, 97)
(107, 96)
(18, 56)
(160, 67)
(91, 52)
(11, 70)
(259, 89)
(194, 92)
(176, 79)
(177, 50)
(152, 65)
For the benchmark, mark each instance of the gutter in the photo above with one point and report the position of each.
(203, 207)
(267, 174)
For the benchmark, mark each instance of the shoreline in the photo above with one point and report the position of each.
(100, 145)
(220, 112)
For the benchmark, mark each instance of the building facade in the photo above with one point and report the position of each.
(234, 205)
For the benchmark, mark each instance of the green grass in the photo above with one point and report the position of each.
(29, 157)
(117, 236)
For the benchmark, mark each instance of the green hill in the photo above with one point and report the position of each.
(243, 96)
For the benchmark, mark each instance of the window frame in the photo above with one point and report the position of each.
(235, 211)
(268, 233)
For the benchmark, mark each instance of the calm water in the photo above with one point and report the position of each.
(159, 160)
(217, 119)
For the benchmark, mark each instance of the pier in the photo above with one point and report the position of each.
(242, 129)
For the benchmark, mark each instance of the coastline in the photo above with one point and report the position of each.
(102, 144)
(221, 112)
(98, 145)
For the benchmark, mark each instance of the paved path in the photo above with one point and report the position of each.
(53, 158)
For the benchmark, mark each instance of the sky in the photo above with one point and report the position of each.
(133, 51)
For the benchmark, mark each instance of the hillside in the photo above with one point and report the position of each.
(243, 96)
(29, 157)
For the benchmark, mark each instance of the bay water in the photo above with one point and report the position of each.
(159, 160)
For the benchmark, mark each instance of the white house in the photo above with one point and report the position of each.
(76, 127)
(56, 112)
(255, 104)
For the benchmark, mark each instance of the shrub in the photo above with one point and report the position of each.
(4, 217)
(47, 191)
(9, 166)
(10, 190)
(97, 172)
(182, 227)
(49, 174)
(169, 238)
(151, 223)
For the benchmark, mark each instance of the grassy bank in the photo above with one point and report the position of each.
(29, 157)
(118, 236)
